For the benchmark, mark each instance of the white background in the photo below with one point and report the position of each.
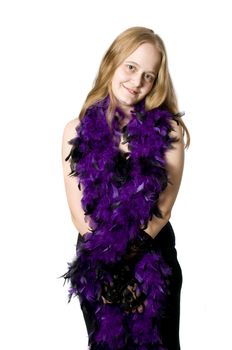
(50, 53)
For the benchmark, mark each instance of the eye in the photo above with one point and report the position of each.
(130, 67)
(149, 77)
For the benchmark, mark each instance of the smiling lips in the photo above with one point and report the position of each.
(133, 92)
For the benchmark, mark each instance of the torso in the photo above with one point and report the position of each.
(123, 146)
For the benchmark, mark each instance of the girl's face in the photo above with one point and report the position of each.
(135, 77)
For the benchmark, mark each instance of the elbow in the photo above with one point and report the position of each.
(81, 226)
(166, 215)
(75, 223)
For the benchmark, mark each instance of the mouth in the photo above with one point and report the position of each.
(132, 92)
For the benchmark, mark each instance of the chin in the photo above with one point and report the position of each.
(127, 101)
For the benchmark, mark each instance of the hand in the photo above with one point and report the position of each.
(131, 300)
(122, 289)
(138, 247)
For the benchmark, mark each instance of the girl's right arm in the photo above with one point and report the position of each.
(73, 193)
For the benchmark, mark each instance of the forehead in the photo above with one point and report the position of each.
(146, 56)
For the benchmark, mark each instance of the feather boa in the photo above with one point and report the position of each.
(120, 195)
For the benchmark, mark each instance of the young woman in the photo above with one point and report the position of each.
(126, 155)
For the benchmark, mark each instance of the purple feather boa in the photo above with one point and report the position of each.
(120, 195)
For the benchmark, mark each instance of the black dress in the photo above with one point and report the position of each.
(87, 274)
(165, 242)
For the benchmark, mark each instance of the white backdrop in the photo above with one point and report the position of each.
(50, 53)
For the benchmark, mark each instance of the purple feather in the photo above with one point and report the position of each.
(118, 196)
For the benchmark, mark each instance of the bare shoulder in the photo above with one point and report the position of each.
(177, 130)
(70, 128)
(174, 165)
(69, 133)
(73, 190)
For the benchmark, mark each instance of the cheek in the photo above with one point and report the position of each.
(120, 76)
(148, 88)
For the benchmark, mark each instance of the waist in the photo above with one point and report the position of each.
(164, 239)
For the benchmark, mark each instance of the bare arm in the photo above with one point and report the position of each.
(175, 166)
(73, 193)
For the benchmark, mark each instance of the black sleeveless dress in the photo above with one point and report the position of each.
(165, 242)
(102, 318)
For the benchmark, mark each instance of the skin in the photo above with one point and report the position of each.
(131, 82)
(174, 165)
(135, 76)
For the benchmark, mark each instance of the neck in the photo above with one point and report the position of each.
(126, 110)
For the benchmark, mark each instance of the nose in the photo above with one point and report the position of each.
(137, 80)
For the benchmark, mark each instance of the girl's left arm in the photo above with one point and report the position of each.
(174, 165)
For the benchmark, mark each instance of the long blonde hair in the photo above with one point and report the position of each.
(162, 93)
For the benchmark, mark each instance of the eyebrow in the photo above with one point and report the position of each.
(136, 64)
